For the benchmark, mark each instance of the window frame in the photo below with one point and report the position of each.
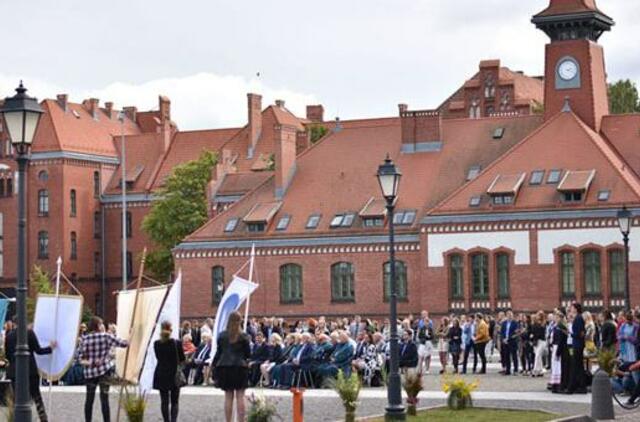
(313, 222)
(231, 225)
(43, 244)
(257, 227)
(483, 275)
(456, 269)
(620, 270)
(536, 178)
(503, 267)
(554, 176)
(343, 277)
(96, 184)
(291, 279)
(401, 280)
(591, 269)
(43, 203)
(74, 246)
(283, 223)
(217, 279)
(567, 274)
(97, 225)
(73, 199)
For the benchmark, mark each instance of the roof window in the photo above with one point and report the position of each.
(604, 195)
(404, 218)
(473, 172)
(474, 201)
(498, 133)
(231, 225)
(342, 220)
(283, 223)
(313, 221)
(554, 176)
(537, 176)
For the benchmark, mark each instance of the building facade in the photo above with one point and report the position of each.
(508, 199)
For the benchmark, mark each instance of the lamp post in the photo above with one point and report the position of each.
(21, 115)
(624, 223)
(389, 178)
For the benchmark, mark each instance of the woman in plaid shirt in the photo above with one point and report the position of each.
(96, 358)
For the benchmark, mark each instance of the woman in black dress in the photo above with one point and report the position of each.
(455, 342)
(169, 354)
(231, 361)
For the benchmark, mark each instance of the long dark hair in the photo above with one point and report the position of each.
(233, 326)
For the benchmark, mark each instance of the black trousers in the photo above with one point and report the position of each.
(92, 384)
(467, 349)
(34, 392)
(169, 397)
(577, 380)
(480, 351)
(510, 356)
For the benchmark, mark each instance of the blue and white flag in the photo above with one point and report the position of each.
(4, 305)
(235, 295)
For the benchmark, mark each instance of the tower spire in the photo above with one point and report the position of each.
(573, 20)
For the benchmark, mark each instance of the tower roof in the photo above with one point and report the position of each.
(564, 7)
(573, 19)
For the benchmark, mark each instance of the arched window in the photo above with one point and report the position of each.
(616, 272)
(43, 245)
(401, 280)
(502, 272)
(43, 202)
(74, 246)
(568, 273)
(74, 206)
(456, 276)
(96, 184)
(43, 176)
(342, 282)
(591, 273)
(480, 275)
(291, 283)
(217, 283)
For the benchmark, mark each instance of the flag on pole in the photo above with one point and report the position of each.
(238, 291)
(170, 312)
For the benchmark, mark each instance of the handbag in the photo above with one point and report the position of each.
(180, 379)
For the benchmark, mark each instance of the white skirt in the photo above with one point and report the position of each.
(443, 346)
(556, 367)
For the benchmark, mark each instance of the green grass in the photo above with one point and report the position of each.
(478, 415)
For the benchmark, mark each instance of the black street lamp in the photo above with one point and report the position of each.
(389, 177)
(624, 222)
(21, 116)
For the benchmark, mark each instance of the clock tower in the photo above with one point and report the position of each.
(574, 61)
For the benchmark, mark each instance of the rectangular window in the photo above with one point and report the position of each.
(283, 223)
(97, 225)
(537, 177)
(96, 184)
(480, 275)
(217, 284)
(498, 133)
(591, 270)
(2, 188)
(373, 222)
(401, 281)
(43, 202)
(604, 195)
(616, 272)
(474, 201)
(456, 274)
(74, 246)
(568, 274)
(231, 225)
(256, 227)
(43, 245)
(572, 197)
(409, 217)
(337, 221)
(291, 283)
(129, 225)
(473, 173)
(347, 221)
(72, 198)
(554, 176)
(9, 187)
(502, 264)
(313, 221)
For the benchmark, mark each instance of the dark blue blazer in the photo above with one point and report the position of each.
(306, 357)
(261, 353)
(513, 327)
(408, 355)
(577, 332)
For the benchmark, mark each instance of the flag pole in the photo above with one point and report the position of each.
(246, 304)
(55, 331)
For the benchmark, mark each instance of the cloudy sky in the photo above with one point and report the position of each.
(357, 57)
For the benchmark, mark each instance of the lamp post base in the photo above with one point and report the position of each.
(395, 413)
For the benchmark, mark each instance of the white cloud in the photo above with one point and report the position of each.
(202, 100)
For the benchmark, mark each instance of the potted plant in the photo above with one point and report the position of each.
(261, 409)
(607, 360)
(348, 388)
(459, 393)
(412, 386)
(134, 404)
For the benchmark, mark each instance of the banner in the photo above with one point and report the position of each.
(235, 295)
(170, 312)
(4, 306)
(64, 332)
(146, 314)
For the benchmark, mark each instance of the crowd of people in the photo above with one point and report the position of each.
(274, 353)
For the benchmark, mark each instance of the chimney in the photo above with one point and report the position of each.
(285, 156)
(302, 141)
(421, 131)
(130, 112)
(254, 103)
(108, 109)
(62, 101)
(402, 107)
(165, 109)
(92, 105)
(315, 113)
(280, 103)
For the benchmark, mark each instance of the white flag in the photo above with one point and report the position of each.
(235, 295)
(170, 312)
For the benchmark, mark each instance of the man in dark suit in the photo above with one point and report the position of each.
(301, 361)
(408, 351)
(260, 353)
(577, 379)
(509, 337)
(34, 379)
(199, 365)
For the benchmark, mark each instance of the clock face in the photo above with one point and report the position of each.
(568, 70)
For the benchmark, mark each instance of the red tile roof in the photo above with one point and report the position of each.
(374, 208)
(143, 153)
(576, 181)
(563, 7)
(241, 183)
(623, 132)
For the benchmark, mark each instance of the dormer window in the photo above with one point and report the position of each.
(260, 215)
(504, 188)
(256, 227)
(502, 199)
(575, 184)
(572, 196)
(313, 221)
(373, 222)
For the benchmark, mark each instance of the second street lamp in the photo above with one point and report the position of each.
(624, 223)
(389, 178)
(21, 115)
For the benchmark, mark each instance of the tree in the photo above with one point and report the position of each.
(316, 132)
(40, 284)
(179, 211)
(623, 97)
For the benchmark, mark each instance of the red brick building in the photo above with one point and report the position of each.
(498, 206)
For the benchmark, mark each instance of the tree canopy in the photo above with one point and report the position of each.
(623, 97)
(180, 209)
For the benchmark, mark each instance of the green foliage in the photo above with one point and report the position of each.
(348, 389)
(134, 404)
(261, 409)
(607, 360)
(179, 211)
(459, 392)
(40, 284)
(537, 108)
(316, 132)
(271, 163)
(623, 97)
